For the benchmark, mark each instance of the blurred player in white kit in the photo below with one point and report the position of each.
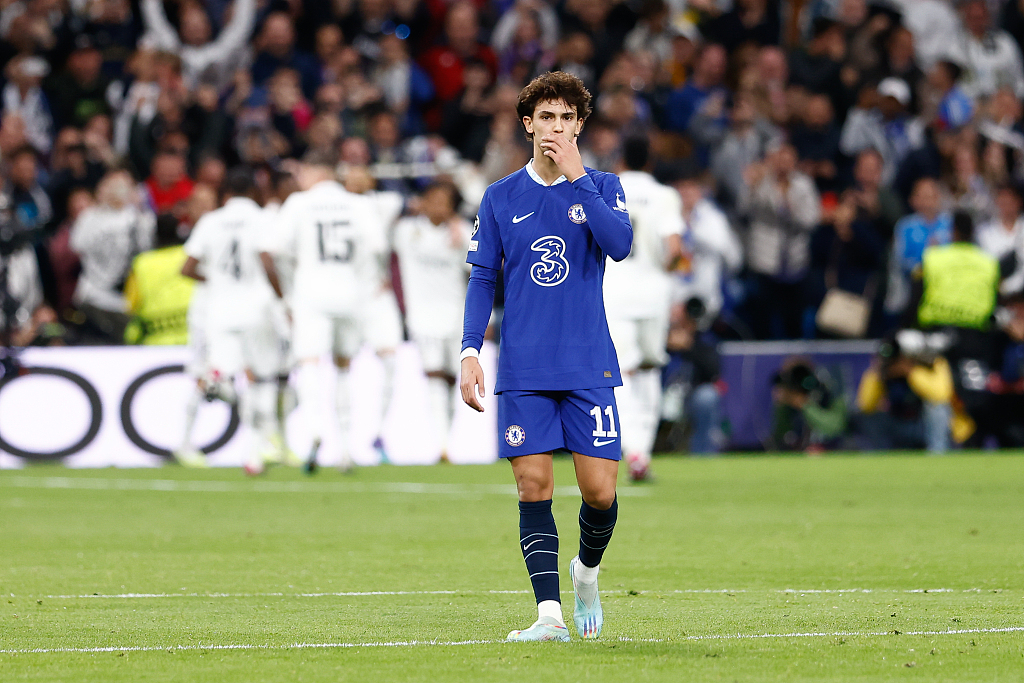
(637, 295)
(431, 251)
(224, 251)
(202, 201)
(283, 184)
(336, 242)
(384, 319)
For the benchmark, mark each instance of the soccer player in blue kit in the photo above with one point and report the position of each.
(550, 226)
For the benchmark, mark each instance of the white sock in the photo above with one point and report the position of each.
(440, 409)
(263, 399)
(310, 396)
(551, 609)
(343, 404)
(191, 409)
(388, 361)
(648, 392)
(584, 574)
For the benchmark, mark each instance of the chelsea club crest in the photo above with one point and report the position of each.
(576, 214)
(515, 436)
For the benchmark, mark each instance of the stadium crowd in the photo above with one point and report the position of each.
(819, 147)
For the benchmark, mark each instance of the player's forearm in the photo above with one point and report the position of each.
(613, 233)
(270, 268)
(479, 301)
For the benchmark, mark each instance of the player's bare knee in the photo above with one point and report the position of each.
(599, 499)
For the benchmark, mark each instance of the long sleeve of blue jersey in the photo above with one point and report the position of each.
(606, 215)
(479, 301)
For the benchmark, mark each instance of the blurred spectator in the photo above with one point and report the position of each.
(601, 144)
(276, 50)
(466, 122)
(81, 90)
(749, 21)
(989, 54)
(1006, 381)
(1002, 238)
(706, 82)
(816, 140)
(70, 168)
(692, 397)
(808, 412)
(881, 121)
(168, 184)
(746, 142)
(575, 55)
(446, 63)
(816, 65)
(23, 296)
(707, 252)
(783, 208)
(406, 87)
(905, 397)
(203, 58)
(528, 53)
(901, 63)
(654, 31)
(106, 238)
(28, 200)
(954, 108)
(847, 254)
(509, 29)
(64, 262)
(968, 190)
(157, 295)
(604, 22)
(875, 202)
(928, 226)
(24, 97)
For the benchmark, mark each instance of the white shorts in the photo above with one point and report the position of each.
(257, 350)
(440, 355)
(383, 322)
(315, 334)
(640, 341)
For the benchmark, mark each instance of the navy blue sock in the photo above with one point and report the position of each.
(538, 539)
(596, 527)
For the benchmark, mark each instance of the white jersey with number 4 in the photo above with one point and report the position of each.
(638, 286)
(227, 244)
(434, 275)
(336, 241)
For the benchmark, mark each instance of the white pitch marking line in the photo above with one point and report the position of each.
(170, 485)
(356, 594)
(450, 643)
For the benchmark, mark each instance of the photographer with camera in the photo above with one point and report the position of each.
(905, 396)
(809, 414)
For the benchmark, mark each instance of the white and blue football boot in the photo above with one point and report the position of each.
(589, 618)
(543, 630)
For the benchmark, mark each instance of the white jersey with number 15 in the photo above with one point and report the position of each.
(336, 241)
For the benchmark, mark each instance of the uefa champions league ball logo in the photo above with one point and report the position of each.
(576, 214)
(515, 436)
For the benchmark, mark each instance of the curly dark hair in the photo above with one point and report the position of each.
(554, 86)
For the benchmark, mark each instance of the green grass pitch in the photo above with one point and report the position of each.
(844, 568)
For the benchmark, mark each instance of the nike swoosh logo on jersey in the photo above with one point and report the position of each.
(602, 443)
(517, 219)
(527, 547)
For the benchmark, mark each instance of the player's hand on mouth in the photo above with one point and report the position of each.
(565, 153)
(472, 383)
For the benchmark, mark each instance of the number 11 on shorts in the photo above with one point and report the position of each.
(599, 428)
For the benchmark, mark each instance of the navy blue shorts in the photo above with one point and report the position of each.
(585, 421)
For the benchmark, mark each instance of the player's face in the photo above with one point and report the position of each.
(555, 117)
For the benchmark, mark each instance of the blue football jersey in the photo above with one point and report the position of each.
(554, 334)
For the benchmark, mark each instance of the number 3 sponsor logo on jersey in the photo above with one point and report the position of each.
(552, 268)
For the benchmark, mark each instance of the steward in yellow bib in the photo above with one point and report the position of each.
(157, 293)
(959, 290)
